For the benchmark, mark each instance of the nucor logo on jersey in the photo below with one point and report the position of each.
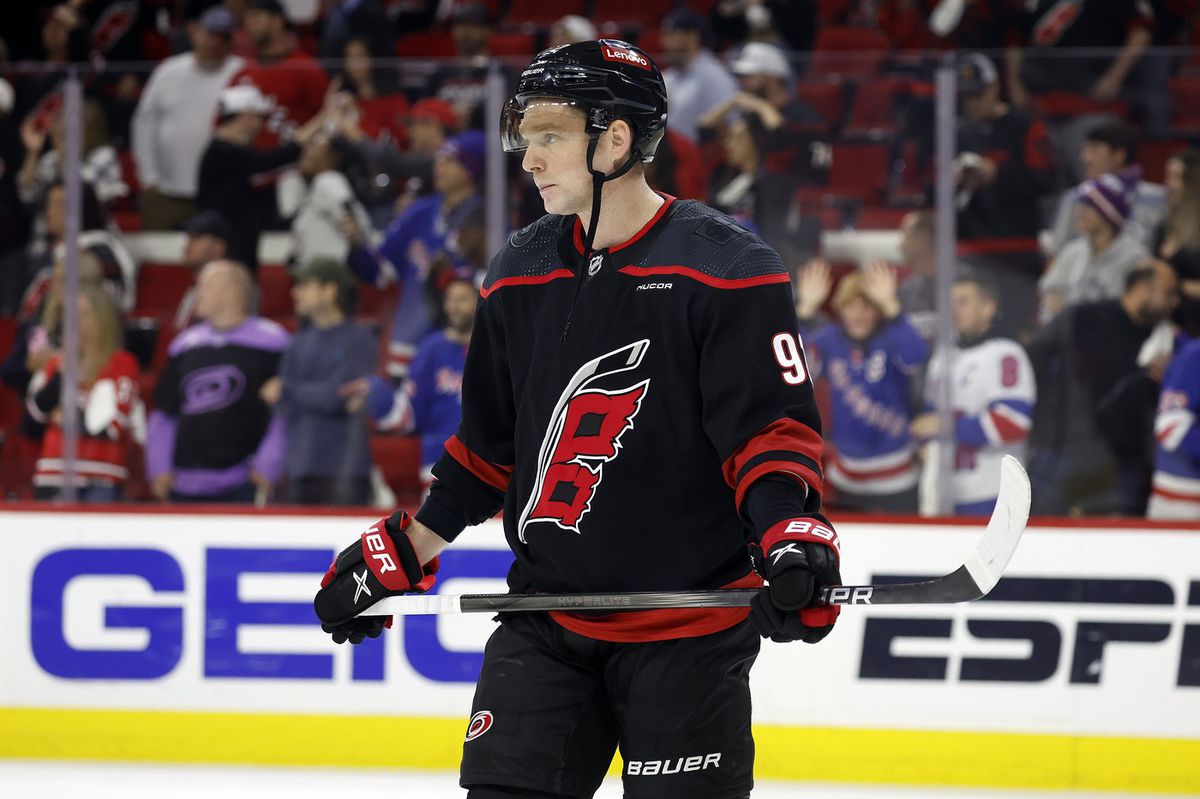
(653, 768)
(627, 56)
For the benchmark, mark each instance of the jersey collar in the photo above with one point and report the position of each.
(577, 228)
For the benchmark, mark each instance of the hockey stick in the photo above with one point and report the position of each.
(970, 581)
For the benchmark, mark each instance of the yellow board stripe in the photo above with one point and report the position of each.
(914, 757)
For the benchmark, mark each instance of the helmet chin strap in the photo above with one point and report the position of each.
(598, 181)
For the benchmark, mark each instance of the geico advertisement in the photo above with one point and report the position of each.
(1091, 631)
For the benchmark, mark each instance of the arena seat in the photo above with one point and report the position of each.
(642, 13)
(426, 44)
(841, 51)
(399, 458)
(541, 14)
(1152, 156)
(512, 44)
(873, 114)
(160, 287)
(275, 287)
(860, 171)
(827, 98)
(1185, 104)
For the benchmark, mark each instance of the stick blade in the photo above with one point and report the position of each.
(1004, 529)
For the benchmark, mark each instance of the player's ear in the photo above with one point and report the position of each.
(621, 139)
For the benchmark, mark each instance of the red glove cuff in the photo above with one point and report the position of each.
(392, 559)
(806, 529)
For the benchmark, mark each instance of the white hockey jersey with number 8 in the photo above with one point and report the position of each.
(992, 394)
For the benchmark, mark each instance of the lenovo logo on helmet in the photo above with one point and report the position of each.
(625, 56)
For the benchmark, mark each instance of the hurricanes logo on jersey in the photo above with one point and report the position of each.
(584, 434)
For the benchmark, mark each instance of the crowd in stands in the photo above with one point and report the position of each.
(357, 131)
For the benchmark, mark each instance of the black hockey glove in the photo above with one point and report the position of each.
(381, 563)
(797, 558)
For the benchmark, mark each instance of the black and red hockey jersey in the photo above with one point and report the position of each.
(619, 408)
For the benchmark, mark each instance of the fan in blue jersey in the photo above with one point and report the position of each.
(429, 403)
(1176, 491)
(413, 243)
(868, 359)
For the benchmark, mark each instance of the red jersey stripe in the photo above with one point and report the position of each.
(526, 281)
(695, 274)
(782, 435)
(1008, 430)
(495, 476)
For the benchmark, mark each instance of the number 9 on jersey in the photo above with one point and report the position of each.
(789, 353)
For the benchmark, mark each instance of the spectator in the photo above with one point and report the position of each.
(230, 163)
(1177, 241)
(425, 230)
(869, 359)
(992, 395)
(1093, 266)
(109, 410)
(1080, 87)
(570, 29)
(1041, 66)
(14, 222)
(946, 24)
(1005, 163)
(100, 168)
(1176, 481)
(1108, 150)
(463, 84)
(918, 291)
(791, 25)
(696, 79)
(292, 81)
(408, 173)
(786, 131)
(379, 106)
(328, 457)
(211, 437)
(732, 189)
(1004, 168)
(173, 121)
(95, 237)
(208, 234)
(430, 401)
(317, 225)
(363, 20)
(39, 327)
(1091, 446)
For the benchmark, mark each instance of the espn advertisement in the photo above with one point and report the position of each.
(1090, 642)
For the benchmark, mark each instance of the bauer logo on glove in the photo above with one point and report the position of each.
(380, 564)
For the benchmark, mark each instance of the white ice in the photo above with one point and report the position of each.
(140, 781)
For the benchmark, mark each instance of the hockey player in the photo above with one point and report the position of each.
(637, 402)
(1176, 491)
(993, 395)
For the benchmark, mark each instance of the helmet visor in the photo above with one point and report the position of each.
(540, 120)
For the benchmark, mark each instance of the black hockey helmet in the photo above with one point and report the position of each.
(607, 79)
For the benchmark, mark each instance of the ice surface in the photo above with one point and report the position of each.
(19, 778)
